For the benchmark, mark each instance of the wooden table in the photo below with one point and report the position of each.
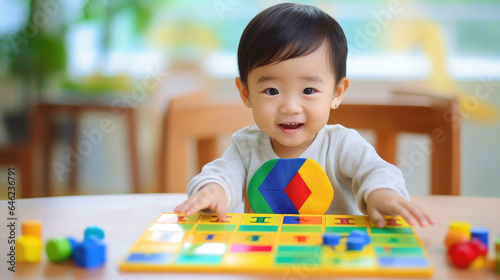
(125, 217)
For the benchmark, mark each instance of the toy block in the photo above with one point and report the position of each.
(59, 249)
(31, 228)
(478, 246)
(497, 244)
(461, 226)
(331, 239)
(94, 231)
(355, 243)
(453, 237)
(480, 233)
(91, 253)
(362, 234)
(73, 242)
(28, 249)
(462, 254)
(498, 262)
(478, 263)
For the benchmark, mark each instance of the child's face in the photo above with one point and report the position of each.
(291, 100)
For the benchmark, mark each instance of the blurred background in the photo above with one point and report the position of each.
(102, 55)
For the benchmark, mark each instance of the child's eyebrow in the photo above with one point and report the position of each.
(267, 78)
(313, 78)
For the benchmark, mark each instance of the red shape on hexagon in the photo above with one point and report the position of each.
(297, 191)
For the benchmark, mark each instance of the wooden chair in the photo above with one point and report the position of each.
(37, 151)
(194, 118)
(47, 113)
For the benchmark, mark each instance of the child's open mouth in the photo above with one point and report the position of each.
(290, 127)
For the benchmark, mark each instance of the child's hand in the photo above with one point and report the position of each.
(210, 196)
(387, 202)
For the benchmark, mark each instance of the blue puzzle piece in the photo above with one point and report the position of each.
(331, 239)
(361, 234)
(154, 258)
(291, 220)
(403, 262)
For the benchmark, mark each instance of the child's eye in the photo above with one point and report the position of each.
(272, 91)
(308, 91)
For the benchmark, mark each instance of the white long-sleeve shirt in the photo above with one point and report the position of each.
(350, 162)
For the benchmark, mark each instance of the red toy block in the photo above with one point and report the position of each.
(478, 246)
(462, 254)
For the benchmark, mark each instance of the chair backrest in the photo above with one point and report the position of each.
(193, 117)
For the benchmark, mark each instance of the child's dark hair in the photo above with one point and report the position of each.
(290, 30)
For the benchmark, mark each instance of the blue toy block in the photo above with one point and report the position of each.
(480, 233)
(73, 243)
(91, 253)
(355, 243)
(362, 234)
(94, 231)
(331, 239)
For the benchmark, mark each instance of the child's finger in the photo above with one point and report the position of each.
(417, 213)
(220, 210)
(402, 211)
(376, 217)
(193, 205)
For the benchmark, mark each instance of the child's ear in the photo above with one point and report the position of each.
(245, 97)
(339, 92)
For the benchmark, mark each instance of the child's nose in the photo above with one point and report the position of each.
(291, 105)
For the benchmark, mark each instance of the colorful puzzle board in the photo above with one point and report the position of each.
(272, 243)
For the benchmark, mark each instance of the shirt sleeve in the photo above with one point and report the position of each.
(359, 161)
(228, 171)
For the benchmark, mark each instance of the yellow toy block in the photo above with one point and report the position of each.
(478, 263)
(28, 249)
(462, 227)
(31, 228)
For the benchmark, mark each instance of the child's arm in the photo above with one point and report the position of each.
(388, 202)
(211, 196)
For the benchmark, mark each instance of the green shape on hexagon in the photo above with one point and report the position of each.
(257, 201)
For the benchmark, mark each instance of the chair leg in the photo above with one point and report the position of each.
(132, 146)
(48, 144)
(74, 135)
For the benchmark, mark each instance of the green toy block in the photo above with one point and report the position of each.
(58, 249)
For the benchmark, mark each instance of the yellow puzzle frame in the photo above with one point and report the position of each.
(273, 243)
